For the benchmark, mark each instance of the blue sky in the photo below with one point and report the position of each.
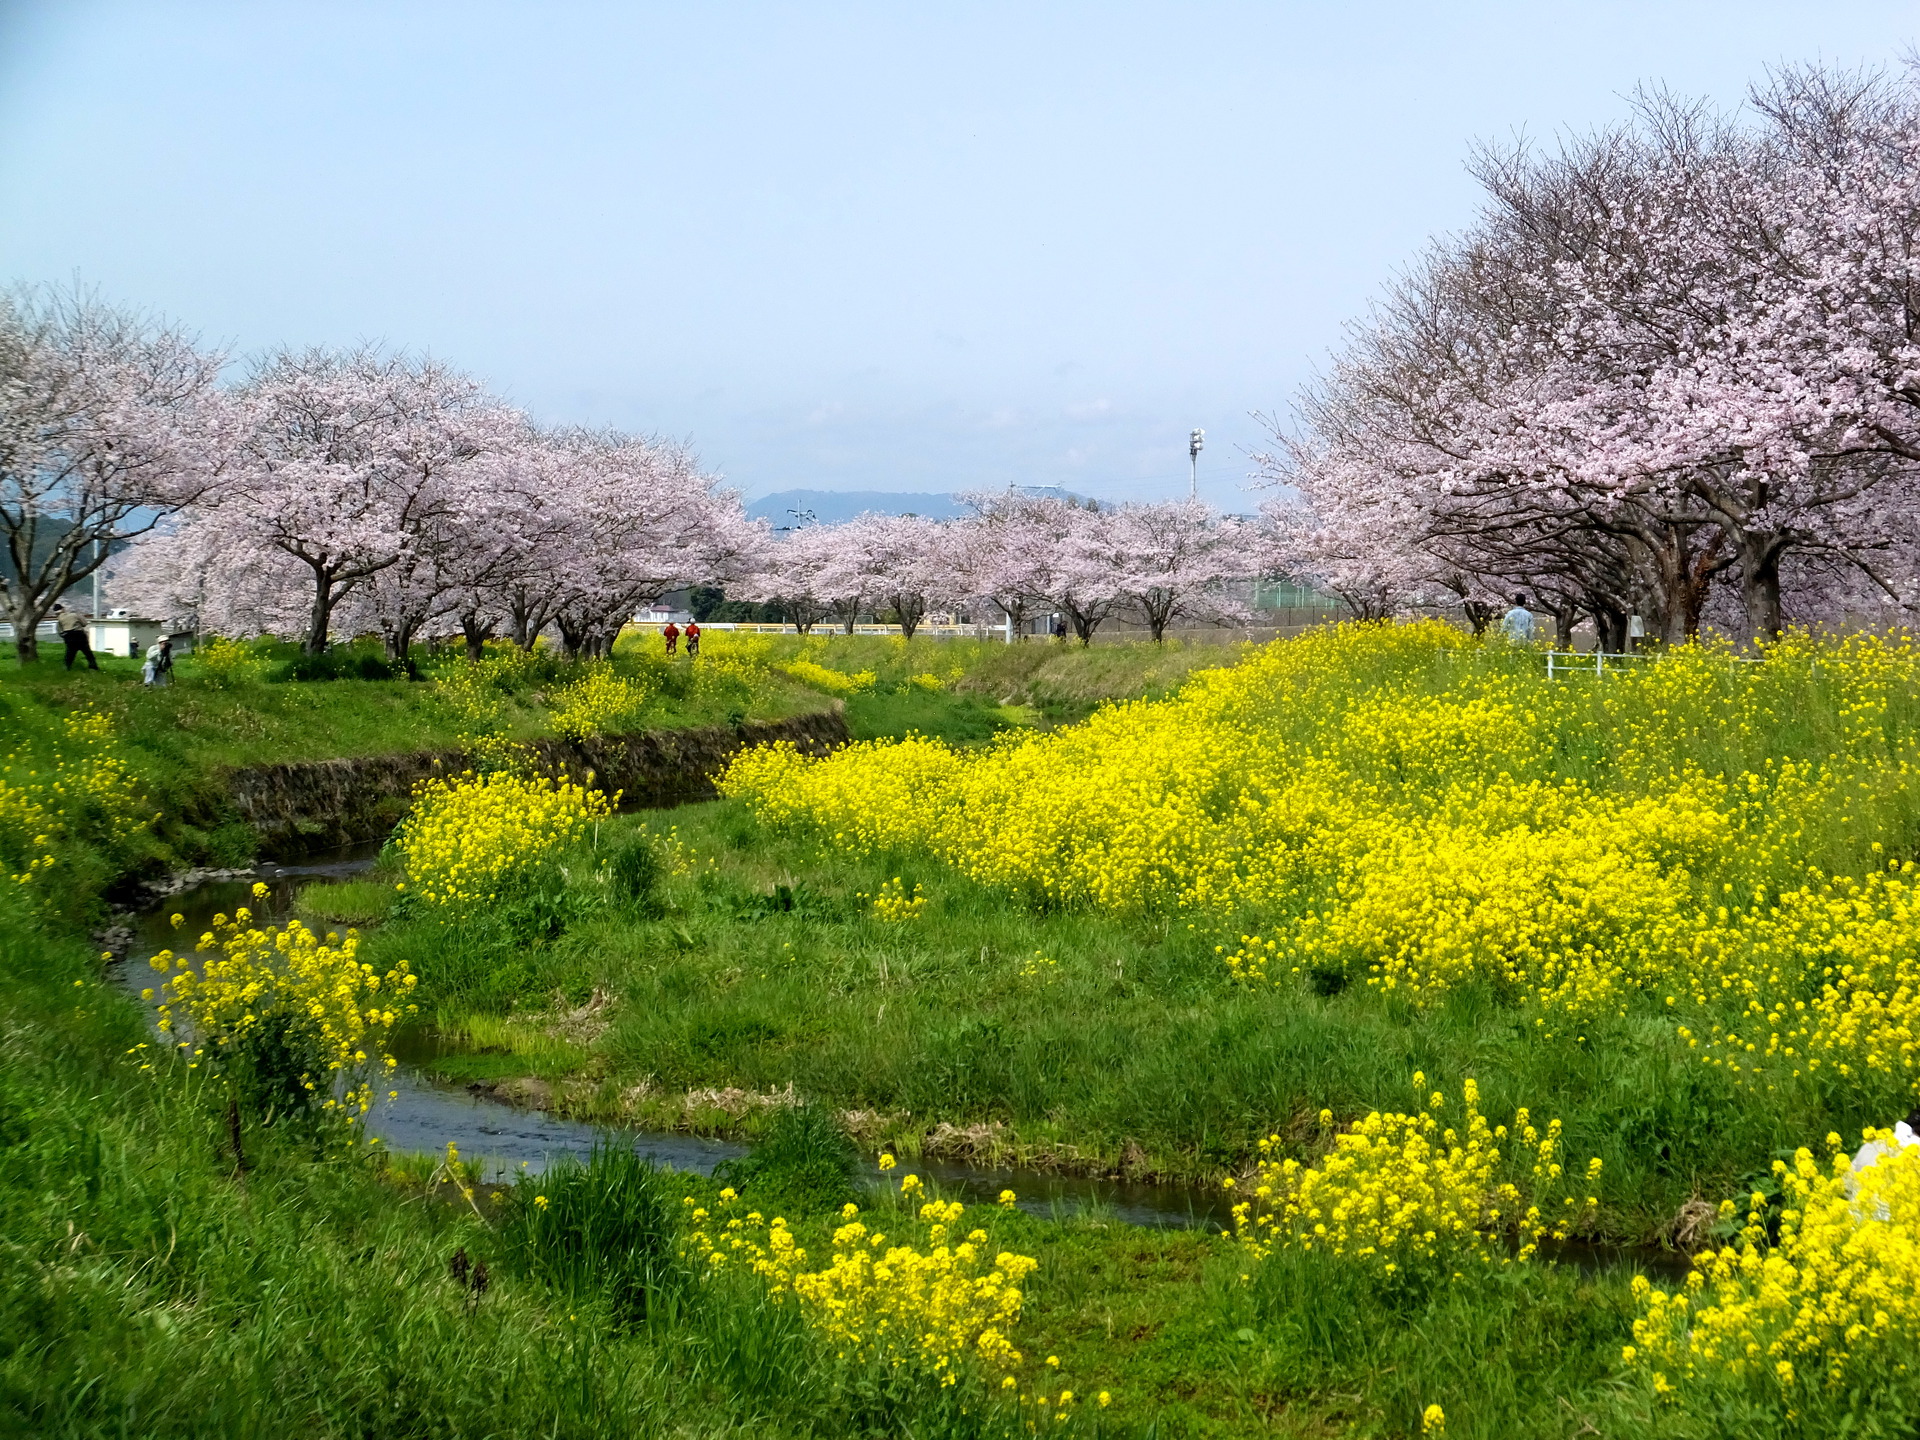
(882, 247)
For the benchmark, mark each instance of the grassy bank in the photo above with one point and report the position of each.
(1036, 682)
(239, 706)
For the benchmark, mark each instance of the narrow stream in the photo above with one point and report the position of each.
(427, 1114)
(503, 1139)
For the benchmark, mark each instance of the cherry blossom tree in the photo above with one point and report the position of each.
(900, 564)
(1670, 352)
(790, 575)
(916, 569)
(643, 521)
(349, 462)
(1086, 564)
(109, 422)
(1002, 554)
(1177, 556)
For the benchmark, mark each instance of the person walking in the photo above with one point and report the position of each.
(693, 638)
(1518, 622)
(159, 667)
(672, 636)
(73, 629)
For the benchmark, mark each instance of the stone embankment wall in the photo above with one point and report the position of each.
(323, 804)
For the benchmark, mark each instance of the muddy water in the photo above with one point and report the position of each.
(425, 1115)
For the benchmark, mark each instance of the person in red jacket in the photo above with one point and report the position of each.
(693, 638)
(672, 637)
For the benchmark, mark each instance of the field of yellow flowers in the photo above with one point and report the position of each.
(1725, 846)
(1677, 903)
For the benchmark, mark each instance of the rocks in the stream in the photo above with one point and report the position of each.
(527, 1091)
(135, 895)
(190, 880)
(312, 805)
(114, 940)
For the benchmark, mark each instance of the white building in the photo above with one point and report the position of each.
(661, 614)
(129, 635)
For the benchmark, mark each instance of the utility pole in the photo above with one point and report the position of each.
(1196, 442)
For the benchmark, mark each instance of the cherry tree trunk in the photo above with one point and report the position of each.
(1084, 623)
(908, 612)
(399, 636)
(1760, 585)
(1610, 629)
(320, 619)
(1158, 613)
(477, 633)
(26, 618)
(1563, 618)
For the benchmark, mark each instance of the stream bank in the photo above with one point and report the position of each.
(315, 806)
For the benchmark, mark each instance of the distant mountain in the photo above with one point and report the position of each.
(831, 507)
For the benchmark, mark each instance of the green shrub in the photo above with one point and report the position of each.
(805, 1162)
(608, 1227)
(636, 871)
(340, 663)
(223, 664)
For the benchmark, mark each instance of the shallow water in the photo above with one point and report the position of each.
(502, 1140)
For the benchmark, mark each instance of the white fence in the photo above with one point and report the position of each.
(1599, 663)
(1590, 662)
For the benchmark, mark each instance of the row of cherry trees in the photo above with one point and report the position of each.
(1673, 371)
(360, 492)
(328, 492)
(353, 492)
(1016, 556)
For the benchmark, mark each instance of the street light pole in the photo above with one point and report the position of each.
(1195, 443)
